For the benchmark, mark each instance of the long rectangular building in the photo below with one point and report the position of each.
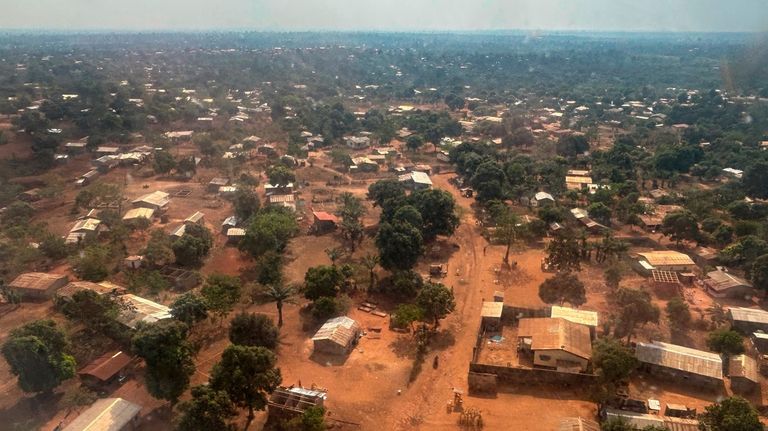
(695, 366)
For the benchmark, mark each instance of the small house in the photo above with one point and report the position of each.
(179, 136)
(542, 199)
(102, 288)
(287, 403)
(141, 310)
(668, 260)
(278, 189)
(491, 315)
(416, 180)
(156, 200)
(178, 231)
(196, 218)
(133, 261)
(643, 420)
(107, 414)
(721, 284)
(215, 183)
(135, 214)
(357, 142)
(696, 367)
(760, 341)
(733, 173)
(364, 164)
(324, 222)
(235, 235)
(87, 177)
(228, 223)
(285, 201)
(268, 150)
(75, 147)
(31, 195)
(82, 229)
(337, 336)
(105, 369)
(748, 320)
(107, 150)
(743, 372)
(556, 343)
(578, 424)
(227, 191)
(37, 286)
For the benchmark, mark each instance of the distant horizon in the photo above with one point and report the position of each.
(408, 16)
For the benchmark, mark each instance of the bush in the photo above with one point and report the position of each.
(324, 308)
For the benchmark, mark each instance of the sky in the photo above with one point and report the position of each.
(387, 15)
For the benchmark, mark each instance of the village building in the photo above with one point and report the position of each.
(582, 217)
(141, 310)
(215, 183)
(227, 191)
(37, 286)
(286, 201)
(643, 420)
(542, 199)
(106, 150)
(133, 261)
(135, 214)
(490, 315)
(287, 403)
(107, 414)
(574, 182)
(704, 256)
(156, 200)
(179, 136)
(229, 222)
(666, 260)
(748, 320)
(652, 219)
(357, 142)
(578, 424)
(196, 218)
(82, 229)
(31, 195)
(556, 343)
(721, 284)
(102, 288)
(278, 189)
(416, 180)
(323, 222)
(733, 173)
(759, 340)
(87, 177)
(666, 283)
(363, 164)
(75, 147)
(178, 231)
(743, 372)
(696, 367)
(582, 317)
(337, 336)
(235, 235)
(105, 369)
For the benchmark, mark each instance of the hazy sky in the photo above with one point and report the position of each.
(398, 15)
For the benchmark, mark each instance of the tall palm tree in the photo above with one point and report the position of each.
(371, 261)
(279, 294)
(334, 254)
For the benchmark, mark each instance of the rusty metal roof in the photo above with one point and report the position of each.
(106, 365)
(680, 358)
(667, 257)
(548, 333)
(743, 366)
(36, 281)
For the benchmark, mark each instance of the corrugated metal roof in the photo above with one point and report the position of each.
(235, 231)
(135, 213)
(743, 366)
(556, 334)
(667, 257)
(106, 366)
(721, 280)
(107, 414)
(340, 330)
(492, 309)
(142, 310)
(751, 315)
(582, 317)
(156, 198)
(89, 224)
(36, 281)
(194, 218)
(680, 358)
(578, 424)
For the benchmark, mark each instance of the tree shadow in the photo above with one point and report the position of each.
(328, 360)
(30, 412)
(404, 347)
(442, 340)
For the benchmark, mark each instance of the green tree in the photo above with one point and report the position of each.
(725, 341)
(755, 180)
(414, 142)
(91, 264)
(613, 275)
(406, 314)
(400, 245)
(208, 409)
(269, 231)
(730, 414)
(164, 347)
(37, 355)
(323, 280)
(507, 229)
(599, 212)
(17, 213)
(53, 247)
(268, 268)
(759, 272)
(248, 375)
(280, 175)
(351, 226)
(635, 308)
(245, 203)
(488, 180)
(370, 262)
(221, 293)
(313, 419)
(438, 210)
(96, 312)
(386, 190)
(680, 226)
(192, 248)
(613, 363)
(454, 101)
(563, 287)
(190, 309)
(164, 162)
(564, 253)
(250, 329)
(678, 313)
(436, 301)
(158, 251)
(279, 294)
